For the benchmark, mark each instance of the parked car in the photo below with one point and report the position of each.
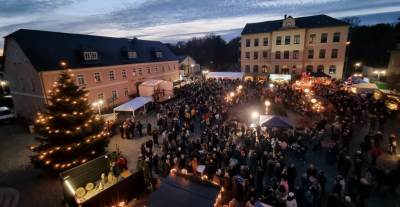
(6, 114)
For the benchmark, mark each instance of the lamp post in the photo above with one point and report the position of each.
(2, 84)
(98, 104)
(267, 105)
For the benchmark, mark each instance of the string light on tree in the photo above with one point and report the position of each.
(68, 124)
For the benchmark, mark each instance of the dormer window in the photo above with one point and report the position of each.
(132, 55)
(90, 56)
(159, 54)
(288, 22)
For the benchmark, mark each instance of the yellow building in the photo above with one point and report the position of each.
(294, 45)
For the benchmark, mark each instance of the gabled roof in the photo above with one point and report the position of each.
(301, 22)
(47, 49)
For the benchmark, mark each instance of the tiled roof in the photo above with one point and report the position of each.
(301, 22)
(47, 49)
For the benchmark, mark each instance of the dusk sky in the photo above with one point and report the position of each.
(173, 20)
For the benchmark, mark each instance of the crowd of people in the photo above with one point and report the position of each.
(254, 164)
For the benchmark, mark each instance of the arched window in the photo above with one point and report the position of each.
(309, 68)
(320, 68)
(285, 69)
(332, 69)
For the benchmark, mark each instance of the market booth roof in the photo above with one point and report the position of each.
(272, 121)
(134, 104)
(178, 191)
(226, 75)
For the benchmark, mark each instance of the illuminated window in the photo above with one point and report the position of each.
(111, 75)
(80, 79)
(123, 74)
(97, 77)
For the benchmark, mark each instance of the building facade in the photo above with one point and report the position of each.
(294, 45)
(110, 69)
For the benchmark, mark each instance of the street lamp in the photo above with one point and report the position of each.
(267, 103)
(240, 87)
(98, 104)
(313, 100)
(271, 85)
(254, 115)
(232, 94)
(2, 84)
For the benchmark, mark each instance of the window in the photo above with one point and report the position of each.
(97, 77)
(140, 71)
(296, 54)
(324, 37)
(265, 41)
(148, 70)
(294, 69)
(114, 95)
(332, 69)
(255, 42)
(320, 68)
(276, 68)
(286, 55)
(247, 69)
(255, 55)
(133, 72)
(247, 42)
(334, 53)
(156, 69)
(255, 69)
(287, 40)
(169, 68)
(312, 38)
(264, 69)
(126, 92)
(123, 74)
(296, 39)
(310, 54)
(285, 70)
(162, 69)
(309, 68)
(247, 55)
(100, 96)
(277, 55)
(80, 79)
(132, 55)
(322, 53)
(265, 54)
(336, 37)
(159, 54)
(90, 56)
(278, 40)
(111, 75)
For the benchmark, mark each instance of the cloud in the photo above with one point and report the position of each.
(17, 7)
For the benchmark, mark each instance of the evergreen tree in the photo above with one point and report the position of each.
(70, 132)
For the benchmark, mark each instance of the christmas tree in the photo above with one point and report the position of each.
(70, 132)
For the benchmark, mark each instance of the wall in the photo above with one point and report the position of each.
(106, 86)
(25, 83)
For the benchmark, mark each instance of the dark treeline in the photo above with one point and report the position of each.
(211, 51)
(369, 45)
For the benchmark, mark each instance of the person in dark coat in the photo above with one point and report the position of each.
(148, 129)
(121, 131)
(155, 137)
(139, 128)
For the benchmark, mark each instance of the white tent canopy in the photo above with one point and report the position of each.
(134, 104)
(150, 87)
(225, 75)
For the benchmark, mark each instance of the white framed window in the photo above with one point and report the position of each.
(163, 69)
(132, 55)
(159, 54)
(90, 56)
(156, 69)
(97, 77)
(126, 92)
(140, 71)
(123, 73)
(111, 75)
(332, 69)
(148, 70)
(169, 68)
(80, 79)
(296, 39)
(114, 95)
(100, 96)
(134, 72)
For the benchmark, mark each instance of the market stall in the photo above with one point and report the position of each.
(134, 104)
(159, 89)
(280, 77)
(225, 75)
(104, 181)
(272, 121)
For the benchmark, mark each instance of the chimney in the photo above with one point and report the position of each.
(285, 16)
